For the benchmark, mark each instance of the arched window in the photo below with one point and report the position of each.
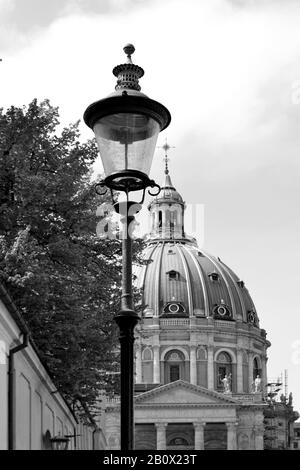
(174, 366)
(147, 365)
(223, 368)
(224, 357)
(160, 219)
(256, 368)
(178, 441)
(173, 221)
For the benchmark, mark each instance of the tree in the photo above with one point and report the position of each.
(63, 278)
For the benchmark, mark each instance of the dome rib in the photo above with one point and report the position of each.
(244, 294)
(193, 288)
(244, 313)
(219, 269)
(201, 283)
(157, 281)
(188, 280)
(201, 277)
(147, 257)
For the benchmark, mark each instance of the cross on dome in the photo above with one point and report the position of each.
(166, 147)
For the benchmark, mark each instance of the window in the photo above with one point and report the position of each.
(256, 368)
(223, 368)
(160, 219)
(174, 309)
(174, 366)
(178, 441)
(224, 357)
(295, 445)
(171, 222)
(174, 372)
(173, 275)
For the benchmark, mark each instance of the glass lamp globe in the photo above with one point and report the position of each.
(126, 126)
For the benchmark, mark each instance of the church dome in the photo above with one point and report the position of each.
(179, 280)
(198, 321)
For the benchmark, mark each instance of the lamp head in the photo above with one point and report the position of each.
(126, 126)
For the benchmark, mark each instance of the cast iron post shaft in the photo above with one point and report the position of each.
(126, 320)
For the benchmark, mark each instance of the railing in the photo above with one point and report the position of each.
(224, 324)
(174, 322)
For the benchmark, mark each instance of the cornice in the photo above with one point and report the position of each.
(188, 386)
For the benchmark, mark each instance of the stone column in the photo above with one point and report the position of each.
(180, 222)
(161, 438)
(156, 222)
(193, 365)
(210, 368)
(263, 374)
(152, 221)
(239, 371)
(259, 437)
(138, 365)
(164, 226)
(156, 365)
(199, 435)
(250, 371)
(231, 436)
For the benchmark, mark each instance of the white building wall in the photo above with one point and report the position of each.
(37, 406)
(3, 391)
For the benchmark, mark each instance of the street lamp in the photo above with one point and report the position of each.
(59, 442)
(126, 126)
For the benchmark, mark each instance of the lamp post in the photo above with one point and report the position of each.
(126, 126)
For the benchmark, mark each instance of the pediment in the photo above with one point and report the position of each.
(183, 393)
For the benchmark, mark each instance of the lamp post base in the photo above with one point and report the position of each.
(126, 321)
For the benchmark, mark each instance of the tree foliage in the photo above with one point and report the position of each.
(63, 278)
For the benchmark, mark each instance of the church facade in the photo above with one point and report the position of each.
(201, 354)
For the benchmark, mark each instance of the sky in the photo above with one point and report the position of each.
(229, 72)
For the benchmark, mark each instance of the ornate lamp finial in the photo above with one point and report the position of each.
(128, 74)
(129, 50)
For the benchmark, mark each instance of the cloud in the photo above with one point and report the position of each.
(28, 15)
(24, 21)
(258, 3)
